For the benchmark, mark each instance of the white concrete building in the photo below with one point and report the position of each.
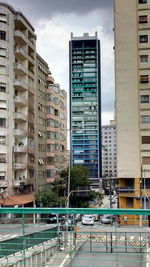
(17, 94)
(109, 150)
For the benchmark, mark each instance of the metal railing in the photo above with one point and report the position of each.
(65, 237)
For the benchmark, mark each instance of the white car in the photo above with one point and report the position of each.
(87, 220)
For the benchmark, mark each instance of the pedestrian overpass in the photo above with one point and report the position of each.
(27, 240)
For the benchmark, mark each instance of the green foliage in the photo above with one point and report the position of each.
(48, 198)
(78, 176)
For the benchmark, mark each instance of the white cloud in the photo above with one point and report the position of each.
(53, 45)
(106, 117)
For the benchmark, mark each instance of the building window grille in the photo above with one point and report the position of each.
(143, 19)
(143, 38)
(144, 78)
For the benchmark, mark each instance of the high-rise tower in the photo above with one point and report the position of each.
(85, 104)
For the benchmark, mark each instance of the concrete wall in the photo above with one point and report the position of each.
(127, 90)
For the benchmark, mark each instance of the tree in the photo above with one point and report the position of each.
(78, 177)
(78, 181)
(48, 198)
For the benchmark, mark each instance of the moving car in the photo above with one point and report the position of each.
(87, 220)
(107, 219)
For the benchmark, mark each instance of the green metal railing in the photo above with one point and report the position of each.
(27, 238)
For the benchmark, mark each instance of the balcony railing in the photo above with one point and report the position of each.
(20, 165)
(20, 100)
(21, 149)
(17, 182)
(20, 69)
(20, 132)
(126, 190)
(20, 84)
(20, 116)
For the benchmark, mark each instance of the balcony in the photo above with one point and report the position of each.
(20, 116)
(20, 132)
(20, 37)
(20, 149)
(3, 183)
(20, 100)
(20, 52)
(19, 166)
(16, 182)
(20, 85)
(126, 190)
(20, 69)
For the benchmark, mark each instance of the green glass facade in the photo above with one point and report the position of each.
(85, 104)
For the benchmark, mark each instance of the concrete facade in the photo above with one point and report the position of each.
(23, 110)
(132, 20)
(109, 155)
(56, 130)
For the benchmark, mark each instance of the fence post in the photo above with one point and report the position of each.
(90, 242)
(24, 239)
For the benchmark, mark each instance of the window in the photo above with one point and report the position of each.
(144, 78)
(3, 88)
(143, 19)
(144, 98)
(2, 175)
(2, 158)
(146, 160)
(2, 69)
(2, 122)
(145, 139)
(2, 52)
(3, 18)
(145, 119)
(142, 1)
(143, 38)
(2, 140)
(2, 35)
(143, 58)
(3, 104)
(129, 202)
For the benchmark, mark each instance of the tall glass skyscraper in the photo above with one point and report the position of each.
(85, 104)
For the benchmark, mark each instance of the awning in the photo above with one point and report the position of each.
(17, 200)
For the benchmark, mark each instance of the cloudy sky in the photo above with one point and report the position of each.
(54, 20)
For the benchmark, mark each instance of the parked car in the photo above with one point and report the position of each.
(107, 218)
(88, 220)
(52, 218)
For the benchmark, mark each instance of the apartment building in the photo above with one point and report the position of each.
(23, 111)
(42, 72)
(56, 130)
(109, 154)
(85, 104)
(132, 57)
(17, 93)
